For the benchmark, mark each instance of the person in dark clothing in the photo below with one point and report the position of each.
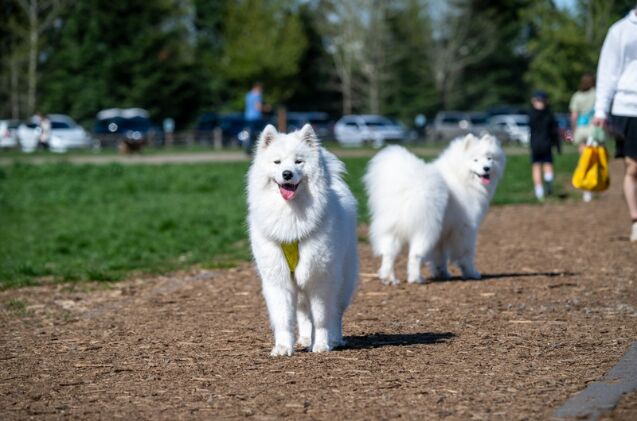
(544, 135)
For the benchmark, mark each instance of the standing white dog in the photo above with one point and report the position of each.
(437, 208)
(302, 221)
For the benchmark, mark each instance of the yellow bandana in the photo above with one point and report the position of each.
(291, 252)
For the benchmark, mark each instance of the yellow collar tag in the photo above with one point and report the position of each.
(291, 252)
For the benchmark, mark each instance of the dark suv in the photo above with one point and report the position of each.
(128, 129)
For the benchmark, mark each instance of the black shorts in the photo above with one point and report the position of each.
(541, 157)
(625, 131)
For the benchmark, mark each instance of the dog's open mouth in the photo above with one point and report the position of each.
(288, 190)
(485, 179)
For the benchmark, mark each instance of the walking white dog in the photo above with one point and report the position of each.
(437, 208)
(302, 221)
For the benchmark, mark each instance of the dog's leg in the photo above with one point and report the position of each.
(304, 321)
(281, 302)
(389, 249)
(438, 263)
(419, 248)
(324, 314)
(465, 246)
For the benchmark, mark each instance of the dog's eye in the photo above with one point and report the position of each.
(298, 161)
(278, 161)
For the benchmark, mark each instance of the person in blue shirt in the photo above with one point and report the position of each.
(253, 113)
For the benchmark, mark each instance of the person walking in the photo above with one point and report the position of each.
(44, 125)
(253, 113)
(617, 84)
(544, 136)
(582, 108)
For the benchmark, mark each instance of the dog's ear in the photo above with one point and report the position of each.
(267, 136)
(308, 136)
(491, 139)
(469, 140)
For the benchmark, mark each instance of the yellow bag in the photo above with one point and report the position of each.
(592, 169)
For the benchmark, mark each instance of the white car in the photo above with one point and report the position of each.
(65, 134)
(356, 130)
(511, 127)
(8, 136)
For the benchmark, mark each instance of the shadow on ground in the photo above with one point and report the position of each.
(489, 276)
(377, 340)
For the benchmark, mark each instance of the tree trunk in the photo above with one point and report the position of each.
(33, 57)
(346, 92)
(15, 85)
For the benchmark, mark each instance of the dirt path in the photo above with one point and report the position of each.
(556, 309)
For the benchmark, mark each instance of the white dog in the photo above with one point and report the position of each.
(298, 202)
(437, 208)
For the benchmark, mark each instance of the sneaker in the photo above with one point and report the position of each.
(633, 233)
(587, 196)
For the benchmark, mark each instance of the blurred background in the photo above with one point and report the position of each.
(171, 72)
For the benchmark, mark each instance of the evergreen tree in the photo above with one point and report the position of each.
(497, 79)
(264, 41)
(123, 53)
(411, 87)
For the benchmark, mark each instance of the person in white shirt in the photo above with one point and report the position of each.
(617, 84)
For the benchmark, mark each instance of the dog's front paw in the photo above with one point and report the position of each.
(304, 341)
(471, 274)
(282, 350)
(418, 280)
(321, 347)
(441, 275)
(389, 280)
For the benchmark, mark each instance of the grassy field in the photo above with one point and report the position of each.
(64, 222)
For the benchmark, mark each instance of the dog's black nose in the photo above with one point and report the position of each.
(287, 175)
(486, 169)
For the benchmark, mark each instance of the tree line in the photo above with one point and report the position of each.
(179, 58)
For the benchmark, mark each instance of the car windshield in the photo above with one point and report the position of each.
(378, 123)
(478, 120)
(119, 125)
(139, 124)
(319, 121)
(452, 119)
(60, 125)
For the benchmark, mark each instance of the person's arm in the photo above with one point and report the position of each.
(573, 109)
(608, 72)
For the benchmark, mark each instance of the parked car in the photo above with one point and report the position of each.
(321, 123)
(65, 134)
(234, 129)
(357, 130)
(8, 133)
(28, 134)
(450, 124)
(511, 128)
(127, 128)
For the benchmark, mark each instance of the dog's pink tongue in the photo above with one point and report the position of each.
(286, 193)
(485, 181)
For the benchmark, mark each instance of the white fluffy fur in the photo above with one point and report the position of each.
(436, 208)
(322, 217)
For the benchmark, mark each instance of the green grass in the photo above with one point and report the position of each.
(64, 222)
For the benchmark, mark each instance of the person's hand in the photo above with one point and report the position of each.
(599, 121)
